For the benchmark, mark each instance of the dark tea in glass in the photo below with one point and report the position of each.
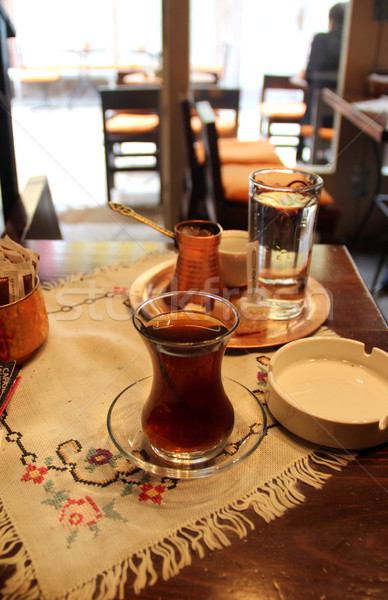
(187, 417)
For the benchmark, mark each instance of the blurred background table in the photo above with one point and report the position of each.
(334, 545)
(370, 117)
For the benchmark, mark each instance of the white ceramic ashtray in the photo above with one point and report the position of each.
(232, 254)
(331, 392)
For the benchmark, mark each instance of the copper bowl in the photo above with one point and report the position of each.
(23, 326)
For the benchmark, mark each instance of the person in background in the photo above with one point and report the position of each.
(326, 47)
(323, 63)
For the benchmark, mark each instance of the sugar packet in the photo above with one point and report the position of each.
(18, 270)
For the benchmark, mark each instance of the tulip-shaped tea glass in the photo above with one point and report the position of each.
(187, 417)
(283, 211)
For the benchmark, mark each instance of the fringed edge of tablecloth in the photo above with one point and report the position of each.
(269, 502)
(22, 583)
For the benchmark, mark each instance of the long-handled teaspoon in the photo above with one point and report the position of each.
(129, 212)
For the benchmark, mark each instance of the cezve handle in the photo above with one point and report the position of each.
(129, 212)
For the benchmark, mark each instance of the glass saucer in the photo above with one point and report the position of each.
(124, 427)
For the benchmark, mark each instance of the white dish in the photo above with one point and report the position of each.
(331, 392)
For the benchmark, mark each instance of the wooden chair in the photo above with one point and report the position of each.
(316, 132)
(230, 150)
(228, 185)
(316, 139)
(130, 116)
(226, 105)
(281, 103)
(221, 99)
(193, 204)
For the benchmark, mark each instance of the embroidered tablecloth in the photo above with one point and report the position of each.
(73, 511)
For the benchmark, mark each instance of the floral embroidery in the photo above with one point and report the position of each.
(262, 376)
(153, 493)
(79, 513)
(34, 473)
(76, 513)
(94, 466)
(100, 457)
(83, 514)
(119, 290)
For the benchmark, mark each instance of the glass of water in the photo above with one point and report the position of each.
(283, 211)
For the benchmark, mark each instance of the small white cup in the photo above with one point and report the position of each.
(232, 253)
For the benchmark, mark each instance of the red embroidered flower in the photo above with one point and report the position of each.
(100, 457)
(76, 513)
(152, 493)
(34, 473)
(119, 290)
(262, 376)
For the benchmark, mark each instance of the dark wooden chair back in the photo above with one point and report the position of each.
(318, 81)
(193, 205)
(219, 99)
(278, 82)
(232, 212)
(137, 103)
(196, 205)
(130, 98)
(215, 200)
(273, 100)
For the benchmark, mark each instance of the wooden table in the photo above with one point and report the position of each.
(335, 544)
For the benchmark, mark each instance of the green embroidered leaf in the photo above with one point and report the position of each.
(57, 500)
(90, 453)
(49, 501)
(111, 513)
(72, 537)
(127, 489)
(48, 461)
(48, 486)
(95, 529)
(91, 468)
(113, 460)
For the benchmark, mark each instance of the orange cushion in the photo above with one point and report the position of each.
(326, 133)
(125, 123)
(293, 110)
(307, 130)
(226, 127)
(233, 150)
(235, 181)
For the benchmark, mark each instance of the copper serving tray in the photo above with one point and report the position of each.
(154, 281)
